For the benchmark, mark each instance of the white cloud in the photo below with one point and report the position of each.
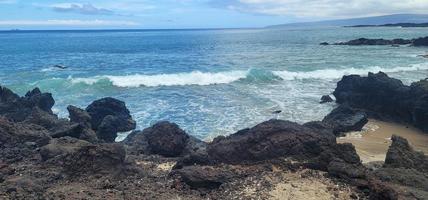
(66, 23)
(328, 8)
(85, 8)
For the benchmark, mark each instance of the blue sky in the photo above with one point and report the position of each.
(55, 14)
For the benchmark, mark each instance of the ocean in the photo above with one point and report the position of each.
(210, 82)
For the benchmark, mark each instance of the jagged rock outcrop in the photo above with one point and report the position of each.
(108, 117)
(345, 119)
(365, 41)
(386, 98)
(326, 99)
(271, 139)
(12, 134)
(95, 159)
(18, 108)
(276, 138)
(423, 41)
(404, 174)
(401, 155)
(60, 147)
(164, 138)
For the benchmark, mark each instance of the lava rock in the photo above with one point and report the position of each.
(60, 147)
(345, 119)
(365, 41)
(324, 43)
(423, 41)
(102, 108)
(12, 134)
(163, 138)
(95, 159)
(401, 155)
(17, 108)
(271, 139)
(385, 98)
(80, 116)
(326, 99)
(203, 176)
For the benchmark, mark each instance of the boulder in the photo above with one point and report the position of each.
(271, 139)
(60, 147)
(102, 108)
(12, 133)
(324, 43)
(326, 99)
(80, 116)
(163, 138)
(423, 41)
(203, 176)
(107, 116)
(18, 108)
(345, 119)
(385, 98)
(92, 159)
(401, 155)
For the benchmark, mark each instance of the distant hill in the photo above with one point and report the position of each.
(395, 25)
(378, 20)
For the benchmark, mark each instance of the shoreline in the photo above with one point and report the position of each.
(373, 141)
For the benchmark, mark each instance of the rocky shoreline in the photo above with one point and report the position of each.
(423, 41)
(45, 157)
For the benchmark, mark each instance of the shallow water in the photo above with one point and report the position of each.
(210, 82)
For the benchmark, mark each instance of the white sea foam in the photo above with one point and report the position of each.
(191, 78)
(210, 78)
(338, 73)
(88, 81)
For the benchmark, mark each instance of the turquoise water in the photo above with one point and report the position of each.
(210, 82)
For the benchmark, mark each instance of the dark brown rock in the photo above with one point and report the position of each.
(271, 139)
(385, 98)
(401, 155)
(204, 176)
(326, 99)
(95, 159)
(345, 119)
(163, 138)
(60, 147)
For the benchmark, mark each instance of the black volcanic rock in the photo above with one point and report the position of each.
(324, 43)
(60, 147)
(203, 176)
(12, 134)
(345, 119)
(108, 116)
(78, 115)
(423, 41)
(386, 98)
(95, 159)
(18, 108)
(163, 138)
(401, 155)
(326, 99)
(365, 41)
(271, 139)
(102, 108)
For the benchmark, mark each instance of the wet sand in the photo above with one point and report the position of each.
(372, 143)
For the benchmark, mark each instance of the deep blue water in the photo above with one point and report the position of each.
(210, 82)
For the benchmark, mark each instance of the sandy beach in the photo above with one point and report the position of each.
(372, 143)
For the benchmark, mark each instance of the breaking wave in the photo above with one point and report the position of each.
(212, 78)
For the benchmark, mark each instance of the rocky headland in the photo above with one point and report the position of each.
(45, 157)
(423, 41)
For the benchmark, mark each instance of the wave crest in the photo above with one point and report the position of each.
(252, 75)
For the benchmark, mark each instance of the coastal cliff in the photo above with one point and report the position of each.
(45, 157)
